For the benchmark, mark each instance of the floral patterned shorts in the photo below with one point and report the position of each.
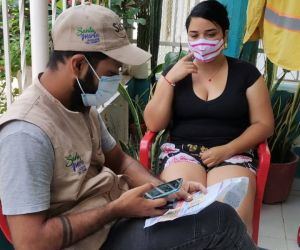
(173, 153)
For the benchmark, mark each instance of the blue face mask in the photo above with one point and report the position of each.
(107, 87)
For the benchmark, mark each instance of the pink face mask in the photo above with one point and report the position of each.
(206, 50)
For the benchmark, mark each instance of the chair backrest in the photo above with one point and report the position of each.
(145, 148)
(264, 158)
(3, 226)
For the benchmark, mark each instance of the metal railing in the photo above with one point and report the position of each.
(6, 53)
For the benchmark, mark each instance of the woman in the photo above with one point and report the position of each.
(217, 108)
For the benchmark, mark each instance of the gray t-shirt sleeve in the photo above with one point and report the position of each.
(26, 168)
(107, 141)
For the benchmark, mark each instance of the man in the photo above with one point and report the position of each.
(58, 182)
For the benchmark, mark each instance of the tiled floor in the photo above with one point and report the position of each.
(279, 223)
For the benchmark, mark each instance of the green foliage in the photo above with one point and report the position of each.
(14, 46)
(173, 57)
(14, 37)
(287, 124)
(3, 101)
(59, 3)
(170, 58)
(160, 138)
(128, 10)
(154, 29)
(137, 106)
(286, 114)
(137, 129)
(134, 110)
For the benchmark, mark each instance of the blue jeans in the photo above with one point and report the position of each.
(217, 227)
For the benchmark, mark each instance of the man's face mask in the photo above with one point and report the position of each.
(107, 87)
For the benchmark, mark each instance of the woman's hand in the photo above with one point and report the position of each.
(187, 188)
(182, 68)
(133, 204)
(215, 155)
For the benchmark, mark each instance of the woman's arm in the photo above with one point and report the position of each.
(158, 111)
(261, 118)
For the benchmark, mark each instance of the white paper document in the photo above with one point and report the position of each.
(230, 191)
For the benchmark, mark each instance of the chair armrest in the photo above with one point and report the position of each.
(264, 165)
(264, 158)
(298, 237)
(4, 227)
(145, 148)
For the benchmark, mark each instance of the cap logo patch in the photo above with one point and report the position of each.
(119, 29)
(88, 35)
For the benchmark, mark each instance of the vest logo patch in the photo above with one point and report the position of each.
(74, 162)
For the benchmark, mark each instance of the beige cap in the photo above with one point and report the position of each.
(94, 28)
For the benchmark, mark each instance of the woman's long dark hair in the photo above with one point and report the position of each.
(211, 10)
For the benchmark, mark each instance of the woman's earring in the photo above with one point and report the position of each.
(225, 45)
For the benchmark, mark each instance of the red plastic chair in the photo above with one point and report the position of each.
(261, 177)
(298, 237)
(4, 226)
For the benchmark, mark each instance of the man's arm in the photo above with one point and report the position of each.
(26, 167)
(121, 163)
(35, 231)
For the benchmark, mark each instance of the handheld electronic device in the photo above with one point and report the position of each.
(164, 189)
(169, 205)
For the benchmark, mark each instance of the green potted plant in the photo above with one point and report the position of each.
(137, 105)
(287, 128)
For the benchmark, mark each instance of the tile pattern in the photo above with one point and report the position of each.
(279, 223)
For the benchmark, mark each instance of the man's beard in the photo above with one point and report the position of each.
(88, 88)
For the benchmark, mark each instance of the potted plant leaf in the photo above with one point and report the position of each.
(137, 105)
(287, 128)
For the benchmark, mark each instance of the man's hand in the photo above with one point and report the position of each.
(182, 68)
(133, 204)
(189, 187)
(215, 155)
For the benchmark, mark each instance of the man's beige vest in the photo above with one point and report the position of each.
(80, 181)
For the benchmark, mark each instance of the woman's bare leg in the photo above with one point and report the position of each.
(186, 170)
(246, 209)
